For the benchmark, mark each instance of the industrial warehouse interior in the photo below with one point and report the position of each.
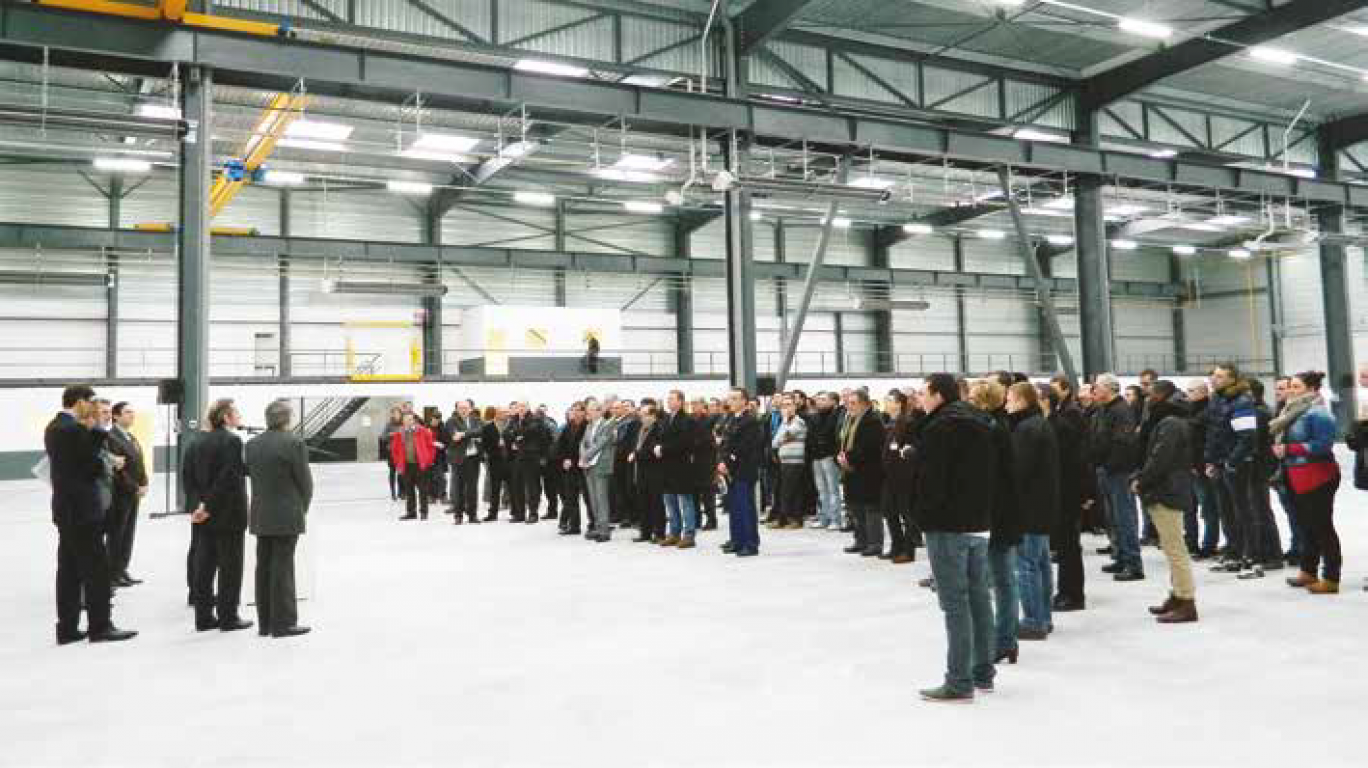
(683, 382)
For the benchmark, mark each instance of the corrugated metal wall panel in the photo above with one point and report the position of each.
(1241, 137)
(1222, 327)
(650, 235)
(943, 84)
(590, 40)
(930, 252)
(853, 81)
(585, 289)
(157, 200)
(998, 257)
(58, 196)
(1128, 121)
(520, 18)
(641, 38)
(710, 240)
(1064, 265)
(1144, 335)
(846, 248)
(355, 215)
(1140, 266)
(500, 227)
(1303, 306)
(1025, 100)
(407, 17)
(808, 60)
(256, 208)
(1002, 332)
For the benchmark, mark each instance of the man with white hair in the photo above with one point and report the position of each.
(282, 488)
(1113, 449)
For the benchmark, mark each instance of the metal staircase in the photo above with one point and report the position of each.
(320, 424)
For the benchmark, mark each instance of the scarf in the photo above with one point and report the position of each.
(852, 425)
(1293, 409)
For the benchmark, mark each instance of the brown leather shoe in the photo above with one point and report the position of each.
(670, 541)
(686, 543)
(1183, 612)
(1324, 587)
(1165, 607)
(1302, 580)
(901, 559)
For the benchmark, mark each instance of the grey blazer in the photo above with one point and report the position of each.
(596, 447)
(282, 485)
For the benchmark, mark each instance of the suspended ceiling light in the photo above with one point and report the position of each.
(918, 229)
(1163, 154)
(908, 305)
(1127, 209)
(1273, 55)
(1065, 203)
(122, 165)
(283, 178)
(158, 111)
(840, 223)
(1031, 134)
(1228, 220)
(630, 162)
(543, 199)
(318, 130)
(1059, 240)
(409, 187)
(756, 216)
(635, 177)
(1240, 253)
(518, 149)
(384, 288)
(1125, 245)
(872, 182)
(1144, 28)
(1184, 250)
(642, 206)
(1305, 173)
(443, 147)
(992, 234)
(322, 146)
(550, 68)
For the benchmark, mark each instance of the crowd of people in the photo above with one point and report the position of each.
(995, 478)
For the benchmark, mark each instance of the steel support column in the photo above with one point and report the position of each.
(1179, 322)
(1339, 336)
(961, 317)
(883, 318)
(1049, 356)
(1095, 325)
(432, 305)
(283, 368)
(814, 269)
(1273, 274)
(192, 347)
(743, 361)
(681, 301)
(116, 195)
(838, 328)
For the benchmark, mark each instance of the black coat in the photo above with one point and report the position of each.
(1035, 472)
(678, 444)
(1112, 440)
(821, 436)
(899, 451)
(76, 468)
(649, 470)
(567, 445)
(528, 439)
(862, 478)
(705, 454)
(1197, 428)
(1166, 476)
(492, 443)
(958, 470)
(627, 431)
(133, 476)
(213, 473)
(1074, 477)
(471, 430)
(743, 447)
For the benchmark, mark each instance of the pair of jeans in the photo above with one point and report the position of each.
(1169, 522)
(1233, 497)
(1125, 519)
(741, 517)
(1035, 581)
(828, 478)
(1002, 571)
(1316, 511)
(682, 513)
(1204, 489)
(959, 564)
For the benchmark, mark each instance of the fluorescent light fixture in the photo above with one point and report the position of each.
(1059, 240)
(518, 149)
(550, 68)
(907, 305)
(158, 111)
(1144, 28)
(1125, 245)
(1184, 250)
(918, 229)
(986, 196)
(322, 146)
(648, 163)
(1197, 226)
(1273, 55)
(1126, 209)
(1031, 134)
(1163, 154)
(636, 177)
(840, 223)
(318, 130)
(384, 288)
(444, 142)
(534, 198)
(409, 187)
(642, 206)
(283, 178)
(872, 182)
(992, 234)
(122, 165)
(1065, 203)
(1228, 220)
(756, 216)
(1240, 253)
(1305, 173)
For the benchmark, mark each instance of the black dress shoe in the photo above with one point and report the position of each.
(112, 634)
(517, 519)
(728, 547)
(234, 624)
(67, 638)
(747, 552)
(1104, 550)
(409, 517)
(1025, 633)
(130, 581)
(532, 519)
(204, 625)
(641, 539)
(1113, 568)
(886, 555)
(489, 518)
(871, 553)
(854, 549)
(294, 631)
(1065, 604)
(1130, 574)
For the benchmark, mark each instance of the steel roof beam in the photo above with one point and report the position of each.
(763, 19)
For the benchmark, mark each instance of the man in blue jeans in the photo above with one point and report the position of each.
(678, 439)
(1113, 449)
(958, 476)
(739, 456)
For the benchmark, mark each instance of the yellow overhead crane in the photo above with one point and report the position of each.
(284, 109)
(172, 11)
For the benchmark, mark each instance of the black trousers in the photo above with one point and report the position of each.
(551, 478)
(623, 494)
(706, 503)
(122, 525)
(416, 489)
(897, 509)
(82, 569)
(275, 583)
(1232, 493)
(396, 486)
(1070, 550)
(218, 554)
(1316, 516)
(788, 507)
(525, 488)
(572, 491)
(650, 507)
(465, 497)
(496, 479)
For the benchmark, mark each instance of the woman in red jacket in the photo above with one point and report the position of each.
(413, 448)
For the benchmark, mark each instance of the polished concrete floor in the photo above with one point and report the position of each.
(508, 645)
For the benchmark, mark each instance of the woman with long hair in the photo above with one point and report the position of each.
(989, 396)
(1077, 486)
(1304, 435)
(1035, 475)
(496, 458)
(898, 480)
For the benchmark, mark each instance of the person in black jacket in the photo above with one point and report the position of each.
(1164, 484)
(739, 456)
(1074, 481)
(566, 453)
(528, 441)
(678, 443)
(75, 464)
(1035, 476)
(1265, 541)
(437, 478)
(705, 462)
(957, 473)
(1112, 450)
(1204, 543)
(821, 449)
(130, 486)
(990, 397)
(628, 423)
(897, 490)
(496, 457)
(649, 482)
(860, 457)
(215, 484)
(463, 430)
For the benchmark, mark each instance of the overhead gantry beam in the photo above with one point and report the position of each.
(763, 19)
(1260, 28)
(1344, 132)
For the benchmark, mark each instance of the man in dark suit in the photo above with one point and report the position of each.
(529, 443)
(676, 447)
(463, 429)
(215, 482)
(282, 487)
(628, 424)
(130, 486)
(860, 456)
(739, 456)
(76, 465)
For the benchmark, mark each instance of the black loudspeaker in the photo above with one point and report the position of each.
(169, 392)
(764, 386)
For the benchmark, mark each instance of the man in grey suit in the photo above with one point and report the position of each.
(282, 487)
(596, 460)
(463, 453)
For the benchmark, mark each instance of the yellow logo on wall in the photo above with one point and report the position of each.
(537, 338)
